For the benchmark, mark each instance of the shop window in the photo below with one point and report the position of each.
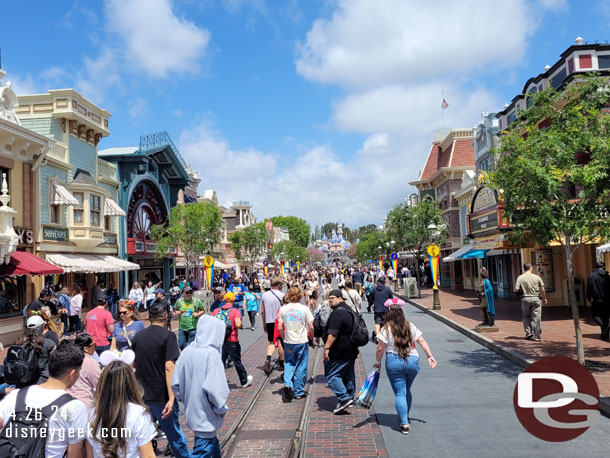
(55, 214)
(9, 296)
(78, 210)
(94, 209)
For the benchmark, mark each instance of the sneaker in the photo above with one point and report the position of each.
(529, 337)
(538, 339)
(288, 393)
(267, 367)
(301, 396)
(249, 382)
(405, 429)
(342, 406)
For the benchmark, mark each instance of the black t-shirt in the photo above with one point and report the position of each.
(154, 346)
(51, 335)
(340, 325)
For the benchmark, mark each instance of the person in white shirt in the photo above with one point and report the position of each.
(295, 325)
(67, 426)
(76, 305)
(136, 295)
(119, 407)
(397, 340)
(351, 297)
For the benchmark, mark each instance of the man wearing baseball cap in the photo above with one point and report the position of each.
(160, 299)
(219, 294)
(189, 309)
(231, 347)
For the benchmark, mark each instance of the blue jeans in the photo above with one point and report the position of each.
(171, 427)
(341, 378)
(206, 448)
(101, 349)
(186, 337)
(296, 357)
(401, 374)
(113, 309)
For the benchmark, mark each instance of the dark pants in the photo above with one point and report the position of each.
(341, 378)
(601, 314)
(233, 350)
(252, 315)
(74, 323)
(64, 320)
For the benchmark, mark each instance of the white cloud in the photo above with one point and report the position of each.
(99, 74)
(155, 39)
(138, 108)
(365, 44)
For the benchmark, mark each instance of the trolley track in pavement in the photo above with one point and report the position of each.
(240, 437)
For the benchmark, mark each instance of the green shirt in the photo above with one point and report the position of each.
(187, 321)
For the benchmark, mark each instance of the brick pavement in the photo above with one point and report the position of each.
(557, 330)
(355, 433)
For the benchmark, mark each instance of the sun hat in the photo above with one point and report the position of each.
(394, 301)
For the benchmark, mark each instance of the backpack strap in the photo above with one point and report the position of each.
(21, 395)
(53, 407)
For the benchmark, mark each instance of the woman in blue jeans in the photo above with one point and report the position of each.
(397, 340)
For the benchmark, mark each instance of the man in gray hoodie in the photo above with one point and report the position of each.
(199, 381)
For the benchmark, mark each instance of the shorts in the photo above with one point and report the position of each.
(270, 327)
(380, 318)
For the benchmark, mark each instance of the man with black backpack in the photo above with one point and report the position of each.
(231, 316)
(341, 351)
(44, 420)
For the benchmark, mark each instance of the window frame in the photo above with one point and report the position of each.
(92, 210)
(80, 209)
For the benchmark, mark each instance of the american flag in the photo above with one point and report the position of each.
(445, 104)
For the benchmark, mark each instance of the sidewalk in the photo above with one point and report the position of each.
(557, 330)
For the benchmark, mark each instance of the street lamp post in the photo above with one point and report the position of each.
(434, 251)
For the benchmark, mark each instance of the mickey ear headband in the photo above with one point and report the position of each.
(127, 356)
(394, 301)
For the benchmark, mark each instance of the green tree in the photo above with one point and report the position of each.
(298, 228)
(328, 228)
(368, 248)
(408, 226)
(288, 250)
(250, 244)
(553, 171)
(363, 230)
(193, 228)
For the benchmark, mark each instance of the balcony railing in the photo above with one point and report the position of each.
(59, 151)
(239, 203)
(106, 169)
(161, 138)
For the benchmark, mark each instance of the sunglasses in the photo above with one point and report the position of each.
(123, 312)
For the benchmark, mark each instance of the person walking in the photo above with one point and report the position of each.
(219, 295)
(125, 330)
(252, 300)
(63, 309)
(156, 350)
(76, 304)
(397, 340)
(100, 324)
(368, 292)
(189, 309)
(271, 302)
(381, 293)
(352, 297)
(598, 294)
(358, 280)
(231, 347)
(199, 381)
(160, 299)
(295, 325)
(340, 352)
(531, 307)
(119, 407)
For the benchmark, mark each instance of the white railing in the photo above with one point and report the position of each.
(106, 169)
(58, 151)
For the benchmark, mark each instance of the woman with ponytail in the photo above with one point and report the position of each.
(397, 340)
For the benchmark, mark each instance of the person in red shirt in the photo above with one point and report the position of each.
(232, 317)
(100, 324)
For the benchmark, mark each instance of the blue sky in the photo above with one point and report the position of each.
(323, 109)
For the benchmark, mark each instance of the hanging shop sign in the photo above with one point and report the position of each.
(55, 234)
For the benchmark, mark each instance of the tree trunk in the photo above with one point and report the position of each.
(418, 275)
(580, 349)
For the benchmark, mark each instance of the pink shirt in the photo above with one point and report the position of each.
(233, 314)
(84, 388)
(96, 323)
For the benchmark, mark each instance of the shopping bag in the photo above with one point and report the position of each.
(369, 389)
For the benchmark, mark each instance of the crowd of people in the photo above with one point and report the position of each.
(119, 375)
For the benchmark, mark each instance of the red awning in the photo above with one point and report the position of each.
(24, 263)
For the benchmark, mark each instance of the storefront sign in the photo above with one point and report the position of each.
(542, 262)
(485, 197)
(55, 234)
(488, 243)
(26, 237)
(486, 222)
(110, 238)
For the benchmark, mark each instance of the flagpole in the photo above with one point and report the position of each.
(442, 108)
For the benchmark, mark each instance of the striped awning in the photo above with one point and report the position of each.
(90, 263)
(61, 196)
(603, 249)
(457, 254)
(111, 208)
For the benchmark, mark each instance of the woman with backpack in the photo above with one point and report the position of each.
(397, 340)
(119, 407)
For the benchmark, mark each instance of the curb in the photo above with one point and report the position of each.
(511, 355)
